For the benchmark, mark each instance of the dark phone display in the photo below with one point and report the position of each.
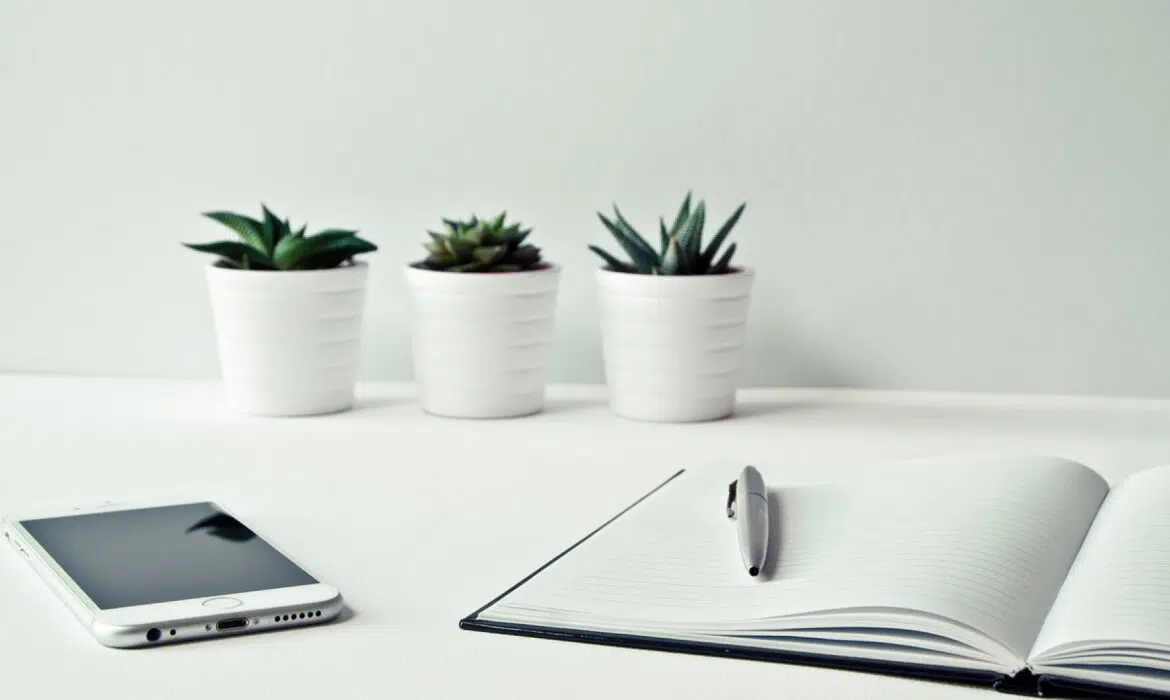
(156, 555)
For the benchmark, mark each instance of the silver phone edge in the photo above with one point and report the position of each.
(187, 629)
(205, 627)
(50, 578)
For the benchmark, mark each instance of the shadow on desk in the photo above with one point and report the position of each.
(381, 407)
(751, 409)
(743, 408)
(378, 405)
(346, 615)
(557, 406)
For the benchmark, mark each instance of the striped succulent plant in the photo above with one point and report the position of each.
(271, 244)
(682, 251)
(480, 245)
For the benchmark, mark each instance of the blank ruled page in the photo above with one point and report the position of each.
(984, 542)
(1119, 587)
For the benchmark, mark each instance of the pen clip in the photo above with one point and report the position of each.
(731, 499)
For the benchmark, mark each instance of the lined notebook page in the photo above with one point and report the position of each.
(985, 542)
(1119, 587)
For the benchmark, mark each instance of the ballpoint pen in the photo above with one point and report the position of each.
(747, 504)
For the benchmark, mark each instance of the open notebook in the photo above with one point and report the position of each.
(1027, 574)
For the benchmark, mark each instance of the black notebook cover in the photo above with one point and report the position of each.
(1023, 683)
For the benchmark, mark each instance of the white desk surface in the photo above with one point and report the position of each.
(420, 520)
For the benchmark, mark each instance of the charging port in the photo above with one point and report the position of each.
(234, 623)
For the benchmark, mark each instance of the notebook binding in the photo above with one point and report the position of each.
(1022, 683)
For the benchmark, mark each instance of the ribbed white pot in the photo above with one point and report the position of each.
(673, 345)
(481, 340)
(289, 340)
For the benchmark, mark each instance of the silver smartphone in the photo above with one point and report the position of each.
(145, 576)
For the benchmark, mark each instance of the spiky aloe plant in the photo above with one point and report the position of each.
(271, 244)
(682, 251)
(480, 245)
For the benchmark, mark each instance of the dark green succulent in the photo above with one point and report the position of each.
(682, 251)
(480, 245)
(271, 244)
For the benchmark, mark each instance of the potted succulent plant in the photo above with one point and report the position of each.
(288, 310)
(672, 319)
(482, 301)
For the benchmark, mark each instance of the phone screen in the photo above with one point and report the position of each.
(156, 555)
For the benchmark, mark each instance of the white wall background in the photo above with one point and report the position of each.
(942, 195)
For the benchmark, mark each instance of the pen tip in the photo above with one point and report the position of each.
(754, 571)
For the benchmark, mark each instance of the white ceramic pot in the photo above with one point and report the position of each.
(289, 340)
(673, 345)
(481, 340)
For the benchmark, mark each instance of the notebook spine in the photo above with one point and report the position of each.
(1023, 682)
(1058, 688)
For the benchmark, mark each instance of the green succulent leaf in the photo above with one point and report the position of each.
(235, 252)
(690, 238)
(469, 267)
(352, 245)
(477, 236)
(457, 249)
(642, 258)
(327, 261)
(271, 244)
(436, 263)
(292, 253)
(488, 254)
(684, 213)
(334, 254)
(670, 258)
(526, 255)
(724, 262)
(480, 245)
(721, 235)
(611, 261)
(248, 229)
(632, 232)
(682, 246)
(519, 238)
(687, 265)
(270, 229)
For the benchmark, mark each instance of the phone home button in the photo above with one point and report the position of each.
(222, 603)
